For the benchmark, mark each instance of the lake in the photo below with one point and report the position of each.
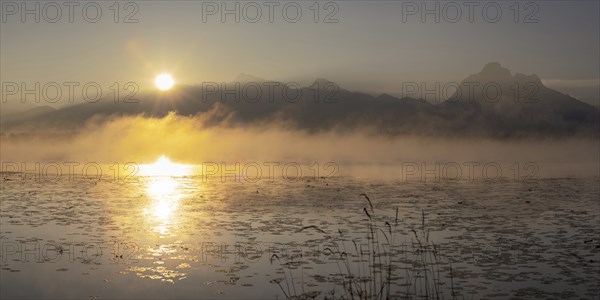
(334, 237)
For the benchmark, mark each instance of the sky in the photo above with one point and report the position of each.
(374, 46)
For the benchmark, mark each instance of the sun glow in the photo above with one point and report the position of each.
(164, 191)
(164, 167)
(164, 81)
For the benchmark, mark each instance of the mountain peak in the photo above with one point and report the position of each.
(244, 78)
(495, 70)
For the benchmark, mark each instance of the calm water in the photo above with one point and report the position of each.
(180, 237)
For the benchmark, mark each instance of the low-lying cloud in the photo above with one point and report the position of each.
(186, 139)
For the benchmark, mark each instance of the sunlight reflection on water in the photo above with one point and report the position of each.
(165, 194)
(216, 239)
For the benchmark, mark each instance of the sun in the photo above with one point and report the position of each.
(164, 81)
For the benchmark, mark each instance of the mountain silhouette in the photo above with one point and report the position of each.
(492, 102)
(508, 104)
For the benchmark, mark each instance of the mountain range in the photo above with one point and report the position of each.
(493, 102)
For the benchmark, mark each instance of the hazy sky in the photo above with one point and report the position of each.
(370, 48)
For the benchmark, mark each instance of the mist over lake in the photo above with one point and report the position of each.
(299, 150)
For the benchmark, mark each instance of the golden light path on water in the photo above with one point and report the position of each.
(162, 187)
(164, 190)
